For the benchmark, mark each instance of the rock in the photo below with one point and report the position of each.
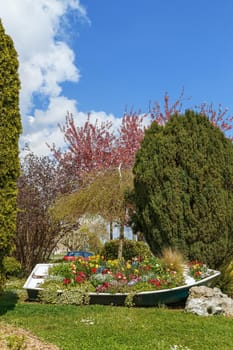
(205, 301)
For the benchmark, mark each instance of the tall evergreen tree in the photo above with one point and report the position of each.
(10, 129)
(183, 188)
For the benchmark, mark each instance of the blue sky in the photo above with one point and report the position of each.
(136, 50)
(105, 56)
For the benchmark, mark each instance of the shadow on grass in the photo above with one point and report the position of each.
(8, 300)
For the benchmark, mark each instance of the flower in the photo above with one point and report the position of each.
(155, 282)
(79, 279)
(66, 281)
(197, 269)
(114, 276)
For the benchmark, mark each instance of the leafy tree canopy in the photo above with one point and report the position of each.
(104, 196)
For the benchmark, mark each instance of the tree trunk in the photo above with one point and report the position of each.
(111, 231)
(121, 240)
(140, 236)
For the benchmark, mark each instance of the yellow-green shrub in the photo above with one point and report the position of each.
(131, 249)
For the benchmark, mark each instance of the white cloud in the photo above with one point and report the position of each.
(46, 60)
(42, 127)
(43, 72)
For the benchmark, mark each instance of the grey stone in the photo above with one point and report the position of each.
(205, 301)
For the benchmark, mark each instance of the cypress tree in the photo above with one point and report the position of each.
(184, 189)
(10, 129)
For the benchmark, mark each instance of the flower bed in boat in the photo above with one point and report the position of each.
(96, 274)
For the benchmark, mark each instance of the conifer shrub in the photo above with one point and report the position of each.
(183, 189)
(10, 128)
(225, 280)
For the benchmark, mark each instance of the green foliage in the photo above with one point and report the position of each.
(12, 267)
(2, 279)
(10, 128)
(15, 342)
(225, 280)
(74, 296)
(131, 249)
(183, 189)
(62, 270)
(101, 194)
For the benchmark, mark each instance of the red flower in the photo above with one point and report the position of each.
(79, 279)
(66, 281)
(155, 282)
(197, 273)
(146, 267)
(106, 284)
(94, 269)
(120, 276)
(81, 274)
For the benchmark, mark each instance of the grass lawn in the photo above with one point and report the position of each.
(112, 328)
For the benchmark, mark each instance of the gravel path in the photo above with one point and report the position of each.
(16, 336)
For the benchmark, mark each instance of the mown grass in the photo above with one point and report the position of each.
(112, 328)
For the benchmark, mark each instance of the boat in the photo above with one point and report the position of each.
(35, 279)
(146, 298)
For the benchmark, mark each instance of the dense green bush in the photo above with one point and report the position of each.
(131, 249)
(10, 128)
(225, 280)
(12, 267)
(184, 189)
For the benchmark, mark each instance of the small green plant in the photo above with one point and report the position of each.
(15, 342)
(53, 294)
(129, 300)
